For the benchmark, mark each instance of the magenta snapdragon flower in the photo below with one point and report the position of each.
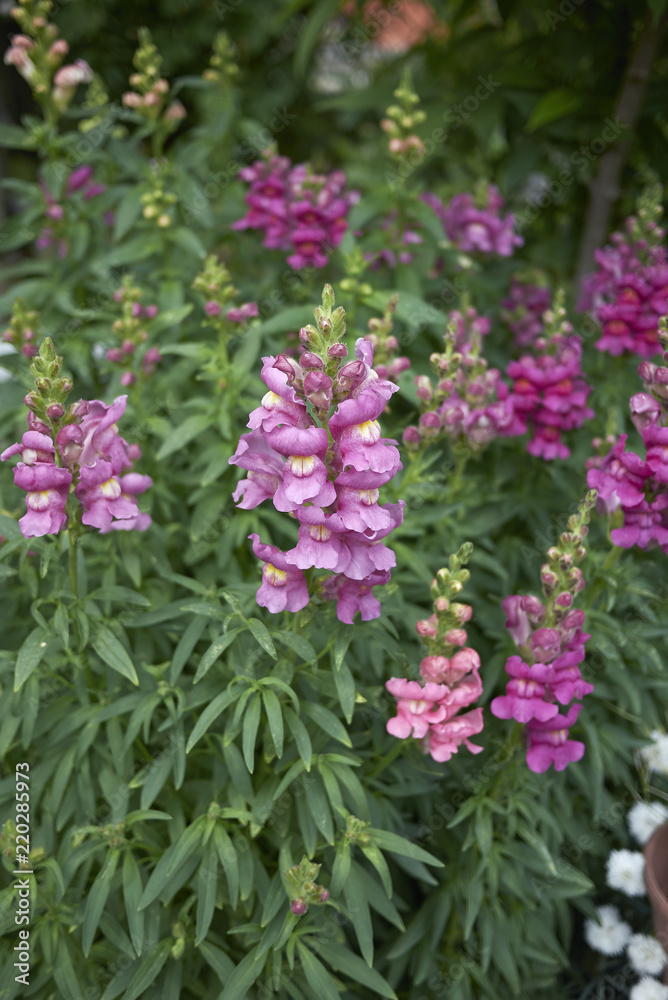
(298, 211)
(551, 646)
(523, 310)
(549, 392)
(476, 226)
(627, 294)
(324, 463)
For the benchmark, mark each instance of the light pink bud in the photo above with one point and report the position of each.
(298, 907)
(212, 308)
(150, 312)
(310, 360)
(128, 378)
(335, 350)
(411, 437)
(54, 411)
(114, 354)
(456, 637)
(128, 347)
(424, 387)
(131, 100)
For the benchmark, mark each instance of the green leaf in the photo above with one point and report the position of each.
(320, 16)
(30, 654)
(316, 974)
(262, 636)
(243, 977)
(319, 807)
(173, 858)
(110, 650)
(340, 868)
(96, 898)
(345, 688)
(132, 891)
(215, 650)
(344, 961)
(209, 716)
(64, 974)
(12, 136)
(327, 721)
(183, 434)
(272, 707)
(376, 858)
(301, 736)
(207, 882)
(341, 644)
(116, 593)
(218, 960)
(358, 911)
(298, 644)
(127, 212)
(191, 636)
(289, 319)
(148, 970)
(398, 845)
(554, 104)
(251, 725)
(228, 858)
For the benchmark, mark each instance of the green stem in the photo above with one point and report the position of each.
(387, 759)
(72, 534)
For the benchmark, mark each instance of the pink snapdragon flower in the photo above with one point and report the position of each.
(325, 466)
(551, 643)
(298, 211)
(283, 586)
(475, 225)
(47, 487)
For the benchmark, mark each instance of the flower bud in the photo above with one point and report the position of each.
(298, 907)
(310, 360)
(54, 411)
(335, 350)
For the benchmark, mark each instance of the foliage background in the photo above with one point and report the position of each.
(523, 855)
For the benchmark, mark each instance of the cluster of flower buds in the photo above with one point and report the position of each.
(450, 681)
(635, 490)
(471, 402)
(150, 94)
(222, 65)
(354, 265)
(22, 329)
(385, 345)
(302, 885)
(627, 294)
(79, 186)
(216, 286)
(551, 646)
(400, 123)
(74, 453)
(158, 201)
(549, 392)
(131, 331)
(474, 224)
(315, 450)
(299, 211)
(522, 311)
(37, 54)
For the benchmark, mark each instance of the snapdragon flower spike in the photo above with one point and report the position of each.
(130, 329)
(22, 329)
(474, 224)
(551, 646)
(315, 449)
(299, 212)
(470, 403)
(549, 393)
(627, 295)
(74, 454)
(633, 487)
(429, 709)
(385, 346)
(522, 311)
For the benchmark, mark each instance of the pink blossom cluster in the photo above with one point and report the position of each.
(80, 181)
(551, 646)
(316, 451)
(300, 212)
(22, 329)
(637, 487)
(523, 309)
(475, 224)
(627, 294)
(429, 709)
(470, 402)
(549, 393)
(398, 239)
(88, 458)
(38, 62)
(132, 334)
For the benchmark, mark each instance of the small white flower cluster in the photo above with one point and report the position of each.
(610, 935)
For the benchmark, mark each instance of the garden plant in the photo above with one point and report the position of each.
(333, 500)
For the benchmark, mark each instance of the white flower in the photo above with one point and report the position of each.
(656, 754)
(644, 818)
(611, 935)
(624, 872)
(646, 955)
(649, 989)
